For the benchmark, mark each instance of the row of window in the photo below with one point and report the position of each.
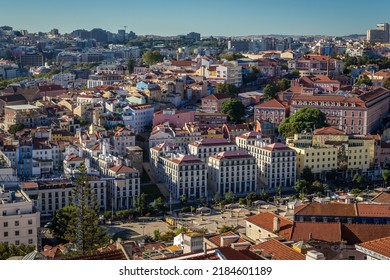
(17, 232)
(16, 223)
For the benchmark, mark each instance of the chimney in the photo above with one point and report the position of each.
(204, 248)
(276, 225)
(310, 236)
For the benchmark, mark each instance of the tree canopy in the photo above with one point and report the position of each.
(152, 57)
(386, 84)
(14, 128)
(271, 90)
(234, 109)
(303, 119)
(12, 250)
(363, 80)
(78, 223)
(230, 89)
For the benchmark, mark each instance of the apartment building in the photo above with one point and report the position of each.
(19, 220)
(124, 188)
(213, 103)
(234, 171)
(28, 115)
(138, 116)
(205, 148)
(52, 195)
(103, 79)
(316, 65)
(251, 138)
(272, 111)
(123, 137)
(329, 148)
(355, 113)
(162, 150)
(276, 164)
(174, 117)
(210, 120)
(185, 174)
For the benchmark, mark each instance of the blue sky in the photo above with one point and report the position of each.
(208, 17)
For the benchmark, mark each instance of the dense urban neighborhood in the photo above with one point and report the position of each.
(118, 146)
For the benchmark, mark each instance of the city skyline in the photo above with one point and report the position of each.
(217, 18)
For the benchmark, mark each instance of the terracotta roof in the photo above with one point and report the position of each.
(249, 135)
(331, 130)
(186, 159)
(357, 233)
(218, 96)
(227, 242)
(373, 210)
(232, 155)
(373, 94)
(266, 220)
(380, 246)
(332, 209)
(109, 255)
(122, 169)
(273, 103)
(277, 146)
(226, 253)
(212, 142)
(277, 250)
(303, 231)
(74, 157)
(382, 198)
(28, 185)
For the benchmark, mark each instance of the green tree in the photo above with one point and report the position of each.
(386, 84)
(234, 109)
(184, 199)
(140, 203)
(358, 180)
(318, 187)
(131, 63)
(307, 174)
(217, 198)
(156, 235)
(363, 80)
(302, 187)
(303, 119)
(158, 204)
(270, 91)
(12, 250)
(229, 197)
(14, 128)
(230, 56)
(79, 222)
(225, 88)
(283, 84)
(152, 57)
(386, 176)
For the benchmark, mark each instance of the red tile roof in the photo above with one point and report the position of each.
(227, 242)
(266, 220)
(273, 103)
(232, 155)
(383, 198)
(122, 169)
(332, 209)
(331, 130)
(186, 159)
(218, 96)
(380, 246)
(373, 210)
(357, 233)
(249, 135)
(277, 146)
(303, 231)
(277, 250)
